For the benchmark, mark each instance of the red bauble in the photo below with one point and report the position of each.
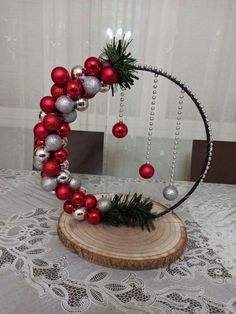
(146, 171)
(120, 130)
(52, 122)
(64, 129)
(43, 174)
(47, 104)
(63, 192)
(109, 75)
(94, 216)
(60, 76)
(40, 131)
(90, 201)
(51, 168)
(78, 198)
(74, 89)
(68, 207)
(38, 143)
(57, 91)
(61, 155)
(92, 66)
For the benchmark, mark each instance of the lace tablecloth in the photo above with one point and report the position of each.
(39, 275)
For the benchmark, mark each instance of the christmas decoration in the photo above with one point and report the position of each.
(40, 131)
(57, 91)
(104, 88)
(41, 154)
(48, 183)
(64, 129)
(120, 130)
(47, 104)
(79, 214)
(109, 75)
(78, 198)
(91, 85)
(60, 76)
(81, 104)
(68, 207)
(92, 66)
(64, 104)
(74, 184)
(53, 142)
(69, 117)
(94, 216)
(61, 155)
(39, 143)
(170, 192)
(90, 201)
(52, 122)
(77, 72)
(64, 176)
(146, 171)
(104, 204)
(51, 168)
(74, 89)
(63, 192)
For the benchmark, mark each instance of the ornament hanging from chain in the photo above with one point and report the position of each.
(120, 129)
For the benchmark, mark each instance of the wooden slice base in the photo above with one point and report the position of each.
(123, 247)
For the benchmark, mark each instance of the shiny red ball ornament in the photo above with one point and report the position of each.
(92, 66)
(40, 131)
(60, 76)
(94, 216)
(64, 129)
(47, 104)
(120, 130)
(61, 155)
(78, 198)
(52, 122)
(109, 75)
(68, 207)
(63, 192)
(39, 143)
(74, 89)
(51, 168)
(57, 91)
(90, 201)
(146, 171)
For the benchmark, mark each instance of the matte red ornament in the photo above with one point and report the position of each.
(63, 192)
(120, 130)
(52, 122)
(60, 76)
(94, 216)
(109, 75)
(61, 155)
(47, 104)
(40, 131)
(90, 201)
(39, 143)
(74, 89)
(68, 207)
(78, 198)
(57, 91)
(146, 171)
(51, 168)
(64, 129)
(92, 66)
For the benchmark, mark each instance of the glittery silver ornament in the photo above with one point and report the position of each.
(74, 184)
(53, 142)
(64, 104)
(104, 88)
(70, 117)
(81, 104)
(79, 214)
(104, 204)
(41, 154)
(77, 72)
(49, 183)
(65, 165)
(170, 192)
(91, 85)
(64, 176)
(38, 165)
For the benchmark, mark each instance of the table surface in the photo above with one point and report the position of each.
(39, 275)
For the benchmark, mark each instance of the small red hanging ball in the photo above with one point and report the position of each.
(90, 201)
(94, 216)
(60, 76)
(92, 66)
(68, 207)
(63, 192)
(146, 171)
(120, 130)
(40, 131)
(51, 168)
(61, 155)
(57, 91)
(52, 122)
(74, 89)
(64, 129)
(78, 198)
(39, 143)
(47, 104)
(109, 75)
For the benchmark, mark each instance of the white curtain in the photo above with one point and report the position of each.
(195, 40)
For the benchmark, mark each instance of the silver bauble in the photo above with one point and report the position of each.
(64, 141)
(81, 104)
(41, 154)
(91, 85)
(64, 104)
(38, 165)
(70, 117)
(77, 72)
(49, 183)
(53, 142)
(170, 192)
(79, 214)
(104, 204)
(65, 165)
(104, 88)
(74, 184)
(64, 176)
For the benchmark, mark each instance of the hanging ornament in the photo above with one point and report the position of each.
(120, 130)
(63, 192)
(61, 155)
(60, 76)
(146, 171)
(57, 91)
(37, 164)
(65, 165)
(74, 89)
(64, 176)
(53, 142)
(109, 75)
(68, 207)
(170, 192)
(47, 104)
(51, 168)
(104, 204)
(65, 104)
(42, 114)
(48, 183)
(77, 72)
(70, 117)
(39, 143)
(81, 104)
(80, 214)
(104, 88)
(90, 201)
(52, 122)
(94, 216)
(78, 198)
(40, 131)
(64, 130)
(41, 154)
(75, 184)
(91, 85)
(82, 189)
(92, 66)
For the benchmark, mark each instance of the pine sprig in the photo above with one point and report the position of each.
(130, 212)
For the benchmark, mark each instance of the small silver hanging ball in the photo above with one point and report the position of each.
(104, 88)
(49, 184)
(64, 104)
(70, 117)
(81, 104)
(65, 165)
(41, 154)
(79, 214)
(64, 176)
(104, 204)
(91, 85)
(53, 142)
(38, 165)
(74, 184)
(77, 72)
(170, 192)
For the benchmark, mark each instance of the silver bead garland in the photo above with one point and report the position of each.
(122, 105)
